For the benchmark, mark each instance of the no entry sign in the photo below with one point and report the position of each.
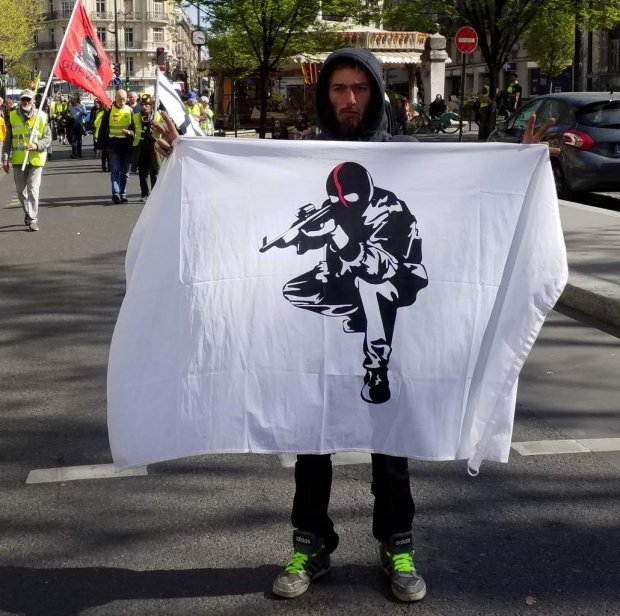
(466, 40)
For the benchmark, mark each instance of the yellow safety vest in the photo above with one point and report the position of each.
(485, 99)
(97, 122)
(195, 110)
(120, 119)
(137, 120)
(21, 137)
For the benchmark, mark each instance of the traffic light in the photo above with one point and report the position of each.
(160, 58)
(117, 69)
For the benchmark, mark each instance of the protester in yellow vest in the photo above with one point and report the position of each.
(22, 136)
(145, 159)
(206, 118)
(116, 134)
(100, 151)
(193, 106)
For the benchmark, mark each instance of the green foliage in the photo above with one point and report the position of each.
(22, 73)
(19, 20)
(550, 39)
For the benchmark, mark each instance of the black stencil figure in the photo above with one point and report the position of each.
(88, 56)
(373, 265)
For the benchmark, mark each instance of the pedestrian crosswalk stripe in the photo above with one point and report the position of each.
(90, 471)
(583, 445)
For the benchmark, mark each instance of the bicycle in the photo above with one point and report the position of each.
(447, 122)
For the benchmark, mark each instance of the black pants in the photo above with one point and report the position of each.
(76, 141)
(393, 510)
(145, 172)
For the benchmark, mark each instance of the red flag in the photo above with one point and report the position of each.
(81, 58)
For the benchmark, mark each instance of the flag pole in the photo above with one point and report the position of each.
(48, 84)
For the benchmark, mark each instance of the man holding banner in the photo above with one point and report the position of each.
(27, 133)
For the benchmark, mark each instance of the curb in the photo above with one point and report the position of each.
(592, 296)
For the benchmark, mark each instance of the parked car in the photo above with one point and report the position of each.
(586, 131)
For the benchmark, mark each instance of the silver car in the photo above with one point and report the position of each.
(586, 131)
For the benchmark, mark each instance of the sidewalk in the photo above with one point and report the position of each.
(592, 238)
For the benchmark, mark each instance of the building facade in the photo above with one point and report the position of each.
(143, 26)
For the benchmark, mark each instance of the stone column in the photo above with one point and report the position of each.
(434, 66)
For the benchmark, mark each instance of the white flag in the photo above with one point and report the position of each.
(317, 297)
(169, 97)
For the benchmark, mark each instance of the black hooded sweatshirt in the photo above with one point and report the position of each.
(374, 123)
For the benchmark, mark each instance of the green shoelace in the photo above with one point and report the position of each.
(297, 562)
(403, 562)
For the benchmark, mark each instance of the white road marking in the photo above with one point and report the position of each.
(339, 459)
(583, 445)
(73, 473)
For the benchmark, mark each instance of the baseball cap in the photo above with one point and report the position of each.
(27, 94)
(192, 96)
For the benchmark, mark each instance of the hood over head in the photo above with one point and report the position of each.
(374, 116)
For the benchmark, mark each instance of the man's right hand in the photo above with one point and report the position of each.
(6, 166)
(170, 134)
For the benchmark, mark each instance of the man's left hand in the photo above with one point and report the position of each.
(30, 147)
(529, 136)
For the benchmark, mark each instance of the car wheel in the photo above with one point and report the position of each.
(561, 186)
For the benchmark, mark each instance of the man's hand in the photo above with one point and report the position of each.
(6, 166)
(529, 136)
(169, 134)
(30, 147)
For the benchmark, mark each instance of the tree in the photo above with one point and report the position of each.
(274, 29)
(499, 24)
(20, 20)
(550, 39)
(590, 15)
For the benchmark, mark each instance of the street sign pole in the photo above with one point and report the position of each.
(466, 40)
(462, 97)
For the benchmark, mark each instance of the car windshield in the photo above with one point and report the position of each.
(604, 114)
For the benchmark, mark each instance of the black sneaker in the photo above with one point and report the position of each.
(376, 388)
(124, 199)
(27, 220)
(309, 561)
(116, 198)
(397, 561)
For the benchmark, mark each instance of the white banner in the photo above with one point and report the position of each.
(319, 296)
(171, 100)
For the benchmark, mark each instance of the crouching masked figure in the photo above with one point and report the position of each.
(373, 265)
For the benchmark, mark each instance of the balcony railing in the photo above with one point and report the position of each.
(157, 16)
(43, 45)
(107, 15)
(386, 40)
(52, 15)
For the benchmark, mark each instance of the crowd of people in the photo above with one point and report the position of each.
(122, 137)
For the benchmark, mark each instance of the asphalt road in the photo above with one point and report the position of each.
(539, 535)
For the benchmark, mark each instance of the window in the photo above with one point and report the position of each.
(604, 114)
(67, 7)
(158, 35)
(518, 121)
(560, 111)
(128, 37)
(50, 6)
(52, 37)
(100, 6)
(614, 53)
(130, 67)
(158, 8)
(101, 35)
